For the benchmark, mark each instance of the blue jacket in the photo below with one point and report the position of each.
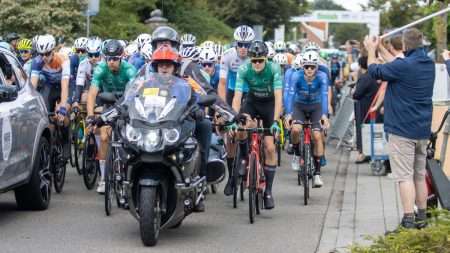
(308, 93)
(408, 100)
(137, 60)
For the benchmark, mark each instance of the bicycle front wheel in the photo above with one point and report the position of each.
(252, 188)
(90, 164)
(306, 170)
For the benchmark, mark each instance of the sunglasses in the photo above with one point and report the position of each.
(24, 51)
(209, 65)
(94, 55)
(112, 58)
(46, 54)
(243, 45)
(311, 67)
(258, 61)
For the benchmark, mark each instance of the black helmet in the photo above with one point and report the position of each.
(258, 49)
(163, 33)
(113, 48)
(11, 36)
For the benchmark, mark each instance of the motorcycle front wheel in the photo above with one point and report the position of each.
(150, 215)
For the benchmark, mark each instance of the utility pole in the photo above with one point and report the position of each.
(441, 31)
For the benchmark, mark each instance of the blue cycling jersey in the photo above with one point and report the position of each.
(303, 92)
(286, 84)
(52, 73)
(326, 71)
(214, 80)
(137, 60)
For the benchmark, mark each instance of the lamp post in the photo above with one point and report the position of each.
(156, 19)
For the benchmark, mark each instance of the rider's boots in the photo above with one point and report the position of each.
(269, 173)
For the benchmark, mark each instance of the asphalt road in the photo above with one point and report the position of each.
(76, 222)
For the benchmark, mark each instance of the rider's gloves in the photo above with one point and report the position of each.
(90, 120)
(232, 127)
(275, 128)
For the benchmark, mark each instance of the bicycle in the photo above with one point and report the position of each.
(237, 176)
(90, 163)
(78, 135)
(255, 182)
(115, 171)
(58, 162)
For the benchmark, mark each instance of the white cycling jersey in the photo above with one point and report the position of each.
(85, 71)
(229, 65)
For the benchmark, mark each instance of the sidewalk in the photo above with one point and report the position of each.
(360, 205)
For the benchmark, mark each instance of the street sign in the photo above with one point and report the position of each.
(93, 8)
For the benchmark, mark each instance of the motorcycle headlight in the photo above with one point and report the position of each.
(133, 134)
(152, 140)
(171, 135)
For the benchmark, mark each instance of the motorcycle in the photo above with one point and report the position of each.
(162, 158)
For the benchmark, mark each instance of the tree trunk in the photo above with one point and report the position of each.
(441, 32)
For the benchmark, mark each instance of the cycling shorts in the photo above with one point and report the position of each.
(52, 96)
(313, 112)
(263, 109)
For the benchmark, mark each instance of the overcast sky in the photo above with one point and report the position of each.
(352, 5)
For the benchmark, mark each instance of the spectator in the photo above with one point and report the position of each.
(365, 91)
(407, 119)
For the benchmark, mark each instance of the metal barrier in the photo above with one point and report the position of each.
(342, 125)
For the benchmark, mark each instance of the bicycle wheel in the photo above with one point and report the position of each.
(252, 188)
(59, 174)
(109, 182)
(78, 147)
(90, 164)
(235, 175)
(306, 170)
(72, 142)
(242, 189)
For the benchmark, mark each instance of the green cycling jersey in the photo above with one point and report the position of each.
(261, 84)
(106, 80)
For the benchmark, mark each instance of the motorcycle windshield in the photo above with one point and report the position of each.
(154, 98)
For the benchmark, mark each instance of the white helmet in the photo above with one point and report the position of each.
(311, 46)
(208, 55)
(45, 43)
(218, 49)
(131, 49)
(310, 58)
(147, 51)
(279, 46)
(207, 44)
(188, 40)
(191, 53)
(94, 45)
(244, 33)
(297, 64)
(281, 59)
(270, 52)
(142, 39)
(80, 43)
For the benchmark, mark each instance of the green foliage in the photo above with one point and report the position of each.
(326, 5)
(344, 32)
(121, 19)
(433, 239)
(30, 17)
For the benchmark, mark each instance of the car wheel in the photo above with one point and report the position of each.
(36, 194)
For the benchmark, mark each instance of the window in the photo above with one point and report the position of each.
(20, 76)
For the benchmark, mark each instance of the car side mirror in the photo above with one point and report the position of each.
(8, 93)
(107, 97)
(207, 100)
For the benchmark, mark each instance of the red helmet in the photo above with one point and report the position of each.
(165, 54)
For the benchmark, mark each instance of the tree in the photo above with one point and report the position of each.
(327, 5)
(269, 13)
(56, 17)
(122, 19)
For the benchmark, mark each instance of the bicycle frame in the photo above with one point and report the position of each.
(255, 149)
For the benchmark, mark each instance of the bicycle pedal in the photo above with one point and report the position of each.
(118, 178)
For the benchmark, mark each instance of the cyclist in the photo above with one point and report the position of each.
(218, 49)
(130, 50)
(12, 39)
(282, 60)
(264, 100)
(232, 59)
(52, 71)
(137, 59)
(86, 69)
(147, 51)
(208, 60)
(24, 48)
(75, 59)
(310, 98)
(110, 75)
(188, 40)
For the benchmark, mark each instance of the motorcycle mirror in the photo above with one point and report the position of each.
(107, 97)
(207, 100)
